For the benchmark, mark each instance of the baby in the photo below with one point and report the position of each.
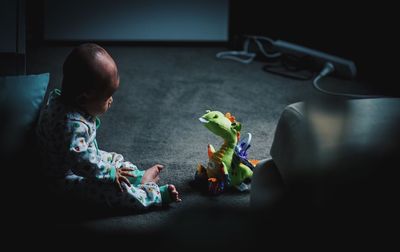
(67, 138)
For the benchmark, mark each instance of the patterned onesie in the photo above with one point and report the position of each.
(73, 161)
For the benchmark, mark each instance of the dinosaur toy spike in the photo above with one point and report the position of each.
(210, 151)
(230, 117)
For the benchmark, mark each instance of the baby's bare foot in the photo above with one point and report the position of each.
(152, 174)
(174, 193)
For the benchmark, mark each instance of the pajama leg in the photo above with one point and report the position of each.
(145, 194)
(106, 193)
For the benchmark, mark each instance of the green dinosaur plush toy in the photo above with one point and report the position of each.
(229, 165)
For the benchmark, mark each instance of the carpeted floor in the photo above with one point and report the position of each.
(154, 117)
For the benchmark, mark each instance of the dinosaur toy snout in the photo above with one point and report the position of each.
(201, 119)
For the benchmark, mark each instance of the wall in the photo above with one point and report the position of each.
(12, 42)
(8, 24)
(140, 20)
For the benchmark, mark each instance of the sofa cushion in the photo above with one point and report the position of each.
(21, 98)
(336, 137)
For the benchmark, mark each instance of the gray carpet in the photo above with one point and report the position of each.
(154, 117)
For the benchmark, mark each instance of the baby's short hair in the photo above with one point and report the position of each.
(79, 74)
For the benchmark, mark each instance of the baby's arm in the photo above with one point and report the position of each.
(117, 160)
(83, 154)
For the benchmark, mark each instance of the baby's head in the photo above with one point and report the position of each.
(90, 78)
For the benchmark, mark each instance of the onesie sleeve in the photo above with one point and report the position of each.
(84, 155)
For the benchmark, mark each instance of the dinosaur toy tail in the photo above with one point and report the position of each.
(254, 162)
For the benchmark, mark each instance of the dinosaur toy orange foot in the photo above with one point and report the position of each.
(254, 162)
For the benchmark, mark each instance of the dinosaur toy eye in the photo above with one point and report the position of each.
(215, 117)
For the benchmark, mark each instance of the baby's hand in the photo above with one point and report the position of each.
(174, 193)
(152, 174)
(121, 176)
